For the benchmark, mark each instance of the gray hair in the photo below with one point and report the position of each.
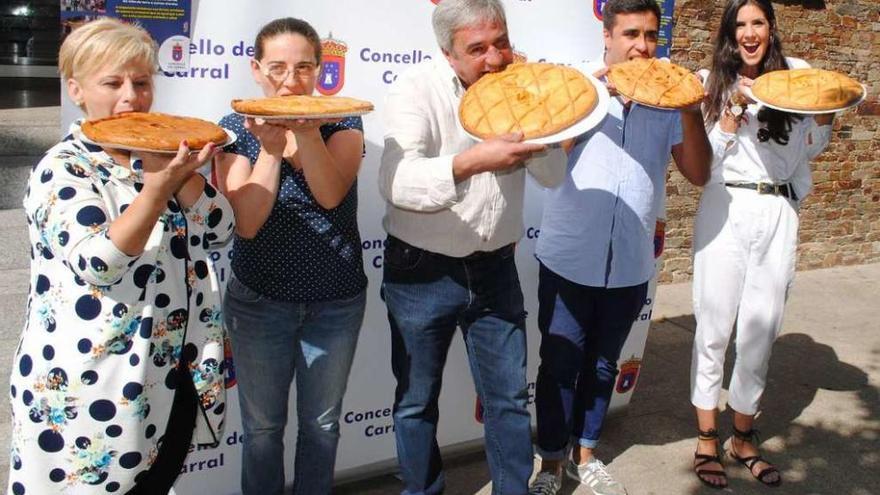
(452, 15)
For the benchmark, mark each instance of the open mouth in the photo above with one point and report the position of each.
(751, 48)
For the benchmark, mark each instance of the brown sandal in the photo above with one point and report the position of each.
(703, 459)
(750, 461)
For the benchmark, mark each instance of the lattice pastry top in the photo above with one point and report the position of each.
(537, 99)
(807, 89)
(656, 83)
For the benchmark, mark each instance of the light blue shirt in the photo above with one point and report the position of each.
(598, 225)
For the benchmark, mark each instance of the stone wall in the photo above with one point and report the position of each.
(840, 221)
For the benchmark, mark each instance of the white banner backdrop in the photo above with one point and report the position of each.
(381, 39)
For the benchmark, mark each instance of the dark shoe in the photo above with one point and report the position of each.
(546, 483)
(703, 459)
(750, 461)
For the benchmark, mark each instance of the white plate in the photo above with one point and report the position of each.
(748, 92)
(591, 120)
(230, 138)
(668, 109)
(296, 117)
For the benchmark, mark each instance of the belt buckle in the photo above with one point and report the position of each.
(768, 188)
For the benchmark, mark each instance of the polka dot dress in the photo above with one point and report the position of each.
(94, 375)
(303, 253)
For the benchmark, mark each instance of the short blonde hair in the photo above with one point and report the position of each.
(104, 41)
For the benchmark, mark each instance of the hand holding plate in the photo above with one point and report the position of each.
(271, 135)
(165, 177)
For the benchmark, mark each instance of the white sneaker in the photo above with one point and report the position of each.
(594, 475)
(546, 483)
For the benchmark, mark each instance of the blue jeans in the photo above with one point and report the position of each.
(428, 295)
(583, 330)
(273, 341)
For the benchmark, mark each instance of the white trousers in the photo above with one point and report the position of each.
(745, 245)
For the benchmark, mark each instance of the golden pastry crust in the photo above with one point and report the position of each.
(656, 83)
(153, 131)
(807, 89)
(536, 99)
(301, 105)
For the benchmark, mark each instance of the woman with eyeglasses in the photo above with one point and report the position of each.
(745, 233)
(296, 297)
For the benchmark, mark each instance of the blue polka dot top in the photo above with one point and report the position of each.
(303, 253)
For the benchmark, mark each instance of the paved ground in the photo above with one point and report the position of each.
(25, 134)
(822, 404)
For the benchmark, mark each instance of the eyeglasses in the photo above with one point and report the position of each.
(279, 72)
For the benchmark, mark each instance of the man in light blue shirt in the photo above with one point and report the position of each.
(596, 253)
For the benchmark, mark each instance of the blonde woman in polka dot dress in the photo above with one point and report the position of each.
(295, 301)
(123, 344)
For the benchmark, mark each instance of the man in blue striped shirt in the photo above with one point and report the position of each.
(596, 253)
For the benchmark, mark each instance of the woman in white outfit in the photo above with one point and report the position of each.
(745, 234)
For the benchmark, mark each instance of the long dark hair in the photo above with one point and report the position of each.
(726, 64)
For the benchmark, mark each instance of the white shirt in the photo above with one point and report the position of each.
(425, 207)
(741, 157)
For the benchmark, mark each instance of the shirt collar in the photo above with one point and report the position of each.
(100, 157)
(448, 75)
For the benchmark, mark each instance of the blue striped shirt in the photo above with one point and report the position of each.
(598, 225)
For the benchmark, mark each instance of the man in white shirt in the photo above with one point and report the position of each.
(454, 212)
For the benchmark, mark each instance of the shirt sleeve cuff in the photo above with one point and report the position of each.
(200, 206)
(117, 257)
(98, 261)
(818, 139)
(724, 135)
(549, 167)
(442, 189)
(822, 134)
(721, 141)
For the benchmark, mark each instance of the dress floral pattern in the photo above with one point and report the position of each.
(94, 374)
